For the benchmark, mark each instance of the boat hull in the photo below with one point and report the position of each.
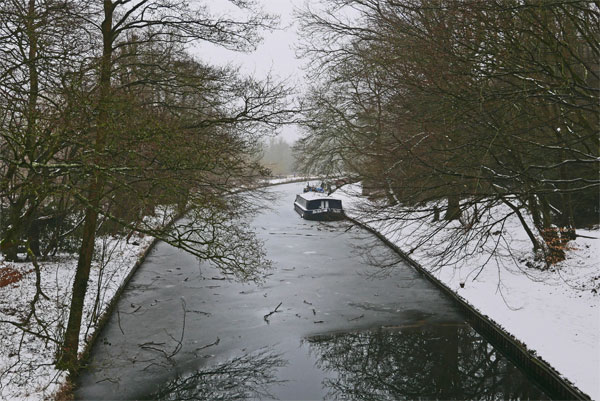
(320, 214)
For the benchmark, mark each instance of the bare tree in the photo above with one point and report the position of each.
(39, 45)
(106, 116)
(462, 106)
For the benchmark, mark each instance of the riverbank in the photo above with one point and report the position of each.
(26, 360)
(554, 312)
(27, 369)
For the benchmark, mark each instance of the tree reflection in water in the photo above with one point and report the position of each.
(441, 362)
(244, 377)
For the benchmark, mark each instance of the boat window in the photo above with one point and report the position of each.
(301, 201)
(335, 203)
(314, 204)
(323, 204)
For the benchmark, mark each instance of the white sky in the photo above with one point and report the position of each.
(275, 54)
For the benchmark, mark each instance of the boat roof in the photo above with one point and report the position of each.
(316, 196)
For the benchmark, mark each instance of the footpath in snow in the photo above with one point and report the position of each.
(554, 312)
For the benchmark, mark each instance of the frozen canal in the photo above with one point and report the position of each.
(353, 322)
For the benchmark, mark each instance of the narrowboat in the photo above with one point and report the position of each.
(318, 206)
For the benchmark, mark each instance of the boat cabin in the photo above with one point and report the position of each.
(318, 206)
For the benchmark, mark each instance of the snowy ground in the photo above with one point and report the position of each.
(554, 312)
(27, 369)
(288, 178)
(26, 360)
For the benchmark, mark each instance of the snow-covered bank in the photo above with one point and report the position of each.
(555, 313)
(27, 353)
(287, 179)
(26, 361)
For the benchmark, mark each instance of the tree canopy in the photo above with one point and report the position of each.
(106, 117)
(461, 106)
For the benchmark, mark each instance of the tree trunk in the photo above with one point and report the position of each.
(453, 211)
(68, 354)
(534, 241)
(12, 236)
(551, 235)
(534, 209)
(33, 236)
(19, 220)
(567, 221)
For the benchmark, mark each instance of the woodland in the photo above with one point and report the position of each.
(105, 115)
(460, 110)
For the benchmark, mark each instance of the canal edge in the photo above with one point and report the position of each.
(111, 306)
(558, 386)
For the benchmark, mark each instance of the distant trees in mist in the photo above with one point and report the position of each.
(278, 157)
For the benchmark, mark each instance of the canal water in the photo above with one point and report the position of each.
(350, 321)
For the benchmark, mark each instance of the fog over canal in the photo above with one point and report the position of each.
(353, 321)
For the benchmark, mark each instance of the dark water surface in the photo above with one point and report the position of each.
(355, 322)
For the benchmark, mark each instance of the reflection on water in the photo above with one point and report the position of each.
(395, 363)
(447, 362)
(241, 378)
